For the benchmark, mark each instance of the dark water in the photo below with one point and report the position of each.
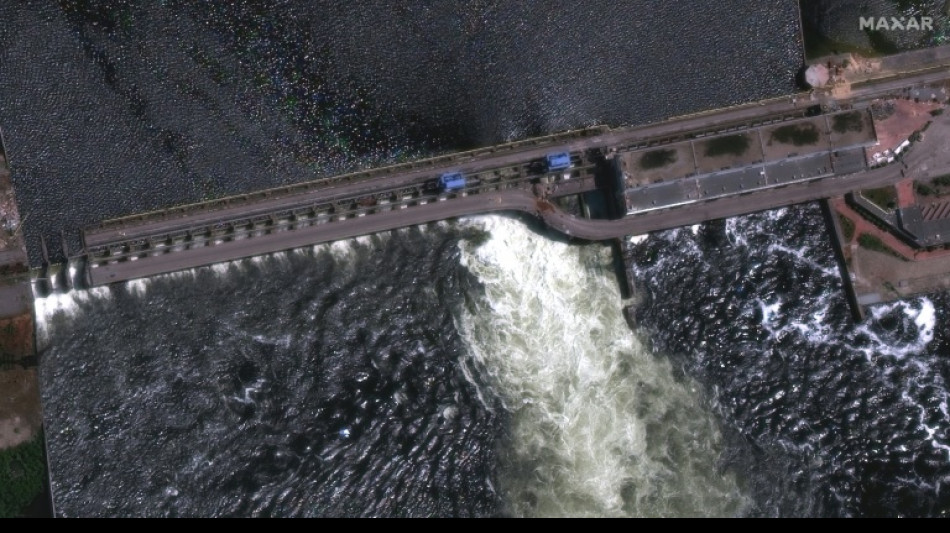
(334, 383)
(824, 418)
(303, 384)
(115, 107)
(839, 21)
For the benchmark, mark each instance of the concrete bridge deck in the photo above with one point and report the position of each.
(505, 178)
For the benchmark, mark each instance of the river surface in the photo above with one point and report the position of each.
(849, 418)
(115, 107)
(479, 367)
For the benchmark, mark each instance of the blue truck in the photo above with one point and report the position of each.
(558, 161)
(452, 181)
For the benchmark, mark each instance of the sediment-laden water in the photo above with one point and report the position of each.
(480, 370)
(599, 424)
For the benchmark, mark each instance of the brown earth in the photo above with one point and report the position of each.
(21, 416)
(907, 116)
(9, 217)
(16, 337)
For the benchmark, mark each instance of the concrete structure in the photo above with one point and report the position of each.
(770, 159)
(720, 163)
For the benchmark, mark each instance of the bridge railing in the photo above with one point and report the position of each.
(328, 212)
(299, 188)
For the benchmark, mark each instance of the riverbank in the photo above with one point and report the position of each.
(22, 467)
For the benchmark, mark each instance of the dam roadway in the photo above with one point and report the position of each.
(520, 200)
(466, 162)
(502, 178)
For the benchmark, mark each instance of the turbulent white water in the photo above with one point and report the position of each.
(57, 308)
(601, 426)
(360, 352)
(843, 418)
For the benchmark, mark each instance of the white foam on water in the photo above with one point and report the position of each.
(686, 248)
(56, 303)
(282, 257)
(901, 355)
(281, 340)
(925, 318)
(920, 311)
(339, 249)
(735, 235)
(66, 304)
(816, 329)
(181, 274)
(929, 430)
(221, 269)
(137, 287)
(60, 308)
(600, 425)
(250, 392)
(770, 313)
(802, 255)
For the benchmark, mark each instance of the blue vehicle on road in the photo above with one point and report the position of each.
(452, 181)
(558, 161)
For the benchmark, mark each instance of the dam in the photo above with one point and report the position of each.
(813, 145)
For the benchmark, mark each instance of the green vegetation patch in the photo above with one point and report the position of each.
(904, 5)
(728, 145)
(657, 159)
(936, 112)
(881, 43)
(796, 134)
(883, 197)
(22, 470)
(817, 44)
(870, 242)
(924, 190)
(846, 122)
(847, 227)
(936, 187)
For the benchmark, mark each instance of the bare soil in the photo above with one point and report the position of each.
(904, 117)
(16, 337)
(9, 216)
(21, 415)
